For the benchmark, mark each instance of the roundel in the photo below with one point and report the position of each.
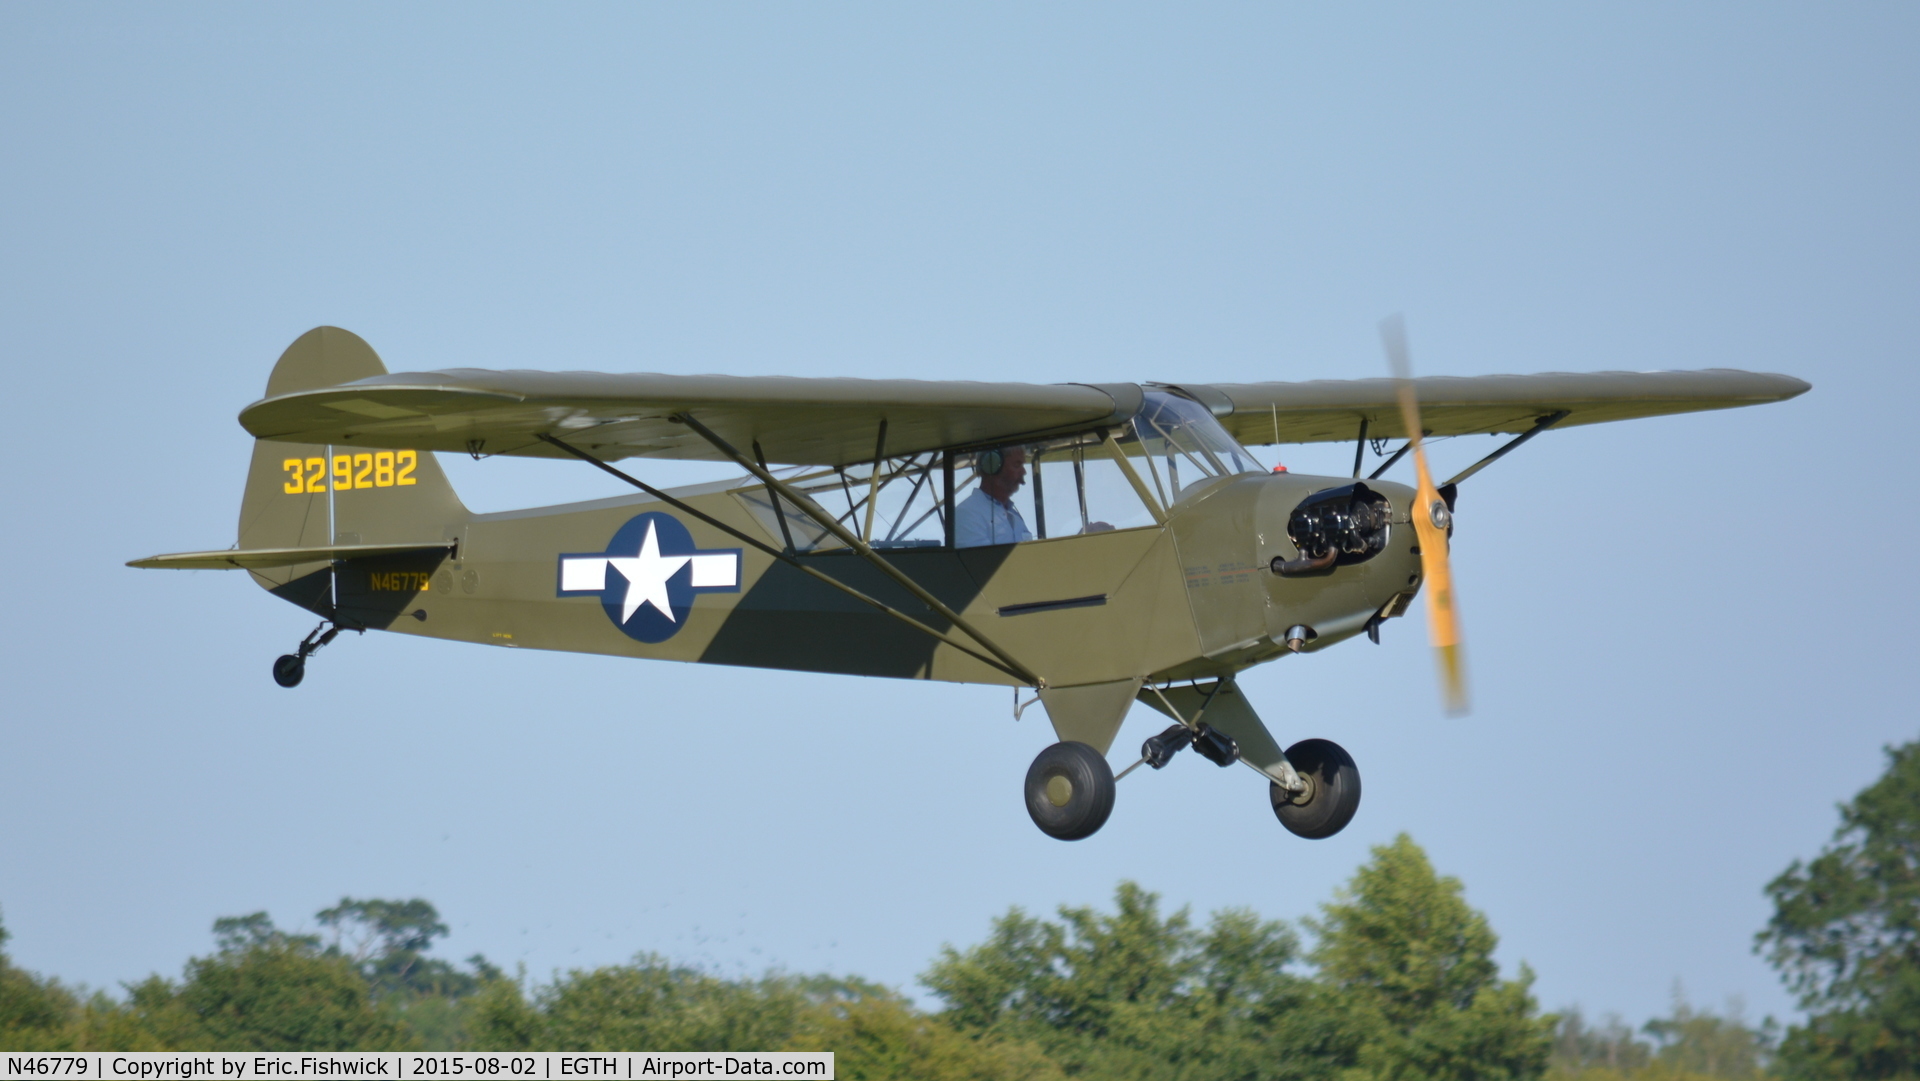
(649, 574)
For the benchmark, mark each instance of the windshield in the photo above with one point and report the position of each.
(1184, 444)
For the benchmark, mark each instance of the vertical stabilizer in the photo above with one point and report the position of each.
(309, 495)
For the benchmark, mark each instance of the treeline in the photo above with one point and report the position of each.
(1394, 980)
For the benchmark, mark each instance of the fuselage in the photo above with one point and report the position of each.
(1189, 596)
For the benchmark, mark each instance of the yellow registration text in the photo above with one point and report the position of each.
(399, 582)
(378, 469)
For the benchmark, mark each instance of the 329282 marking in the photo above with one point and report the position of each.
(378, 469)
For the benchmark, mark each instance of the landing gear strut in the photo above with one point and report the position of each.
(1069, 791)
(291, 668)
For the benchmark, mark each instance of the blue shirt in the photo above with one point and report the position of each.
(981, 519)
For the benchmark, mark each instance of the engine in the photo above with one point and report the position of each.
(1336, 527)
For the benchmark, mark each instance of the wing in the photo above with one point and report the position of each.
(796, 420)
(259, 558)
(836, 421)
(1331, 409)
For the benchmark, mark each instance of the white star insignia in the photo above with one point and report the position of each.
(646, 573)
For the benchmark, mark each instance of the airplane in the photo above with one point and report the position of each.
(1096, 544)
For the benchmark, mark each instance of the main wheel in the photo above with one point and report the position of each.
(289, 670)
(1332, 795)
(1069, 791)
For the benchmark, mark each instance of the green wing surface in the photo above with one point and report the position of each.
(818, 421)
(1329, 410)
(797, 421)
(261, 558)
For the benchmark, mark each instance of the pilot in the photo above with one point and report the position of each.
(988, 515)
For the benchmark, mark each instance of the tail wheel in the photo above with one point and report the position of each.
(1069, 791)
(1332, 794)
(289, 670)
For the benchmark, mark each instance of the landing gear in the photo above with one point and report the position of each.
(1332, 792)
(291, 668)
(1069, 791)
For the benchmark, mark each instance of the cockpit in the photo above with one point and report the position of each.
(1122, 477)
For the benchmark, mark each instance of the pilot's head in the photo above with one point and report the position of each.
(1001, 471)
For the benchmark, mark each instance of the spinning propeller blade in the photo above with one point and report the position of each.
(1431, 521)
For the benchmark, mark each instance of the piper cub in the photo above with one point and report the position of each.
(1097, 543)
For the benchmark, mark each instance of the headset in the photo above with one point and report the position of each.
(989, 463)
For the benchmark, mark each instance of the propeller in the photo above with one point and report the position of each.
(1432, 520)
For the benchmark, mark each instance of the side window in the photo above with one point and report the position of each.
(1036, 491)
(1002, 495)
(907, 510)
(1082, 490)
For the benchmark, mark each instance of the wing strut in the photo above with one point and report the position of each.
(1539, 426)
(852, 540)
(787, 558)
(1397, 455)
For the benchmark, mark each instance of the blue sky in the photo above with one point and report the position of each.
(1689, 637)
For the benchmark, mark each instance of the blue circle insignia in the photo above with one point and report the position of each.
(649, 575)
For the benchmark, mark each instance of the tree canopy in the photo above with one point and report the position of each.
(1845, 935)
(1394, 981)
(1402, 984)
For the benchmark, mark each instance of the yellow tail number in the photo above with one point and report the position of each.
(378, 469)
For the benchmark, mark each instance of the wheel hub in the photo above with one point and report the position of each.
(1059, 790)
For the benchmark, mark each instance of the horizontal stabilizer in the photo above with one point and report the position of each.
(256, 558)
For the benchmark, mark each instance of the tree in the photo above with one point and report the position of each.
(387, 942)
(882, 1037)
(35, 1013)
(1845, 936)
(649, 1004)
(1706, 1044)
(265, 990)
(1689, 1045)
(1132, 993)
(1418, 990)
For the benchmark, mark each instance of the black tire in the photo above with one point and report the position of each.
(1334, 795)
(1069, 791)
(289, 670)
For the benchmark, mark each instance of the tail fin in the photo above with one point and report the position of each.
(304, 496)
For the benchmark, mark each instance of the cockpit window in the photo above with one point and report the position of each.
(979, 496)
(1183, 444)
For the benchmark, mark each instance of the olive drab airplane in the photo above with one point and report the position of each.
(1096, 543)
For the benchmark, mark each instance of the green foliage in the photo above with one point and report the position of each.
(1688, 1045)
(653, 1004)
(1418, 993)
(647, 1004)
(1131, 993)
(1406, 988)
(265, 990)
(882, 1037)
(1706, 1044)
(1845, 936)
(388, 940)
(35, 1014)
(1401, 983)
(1611, 1048)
